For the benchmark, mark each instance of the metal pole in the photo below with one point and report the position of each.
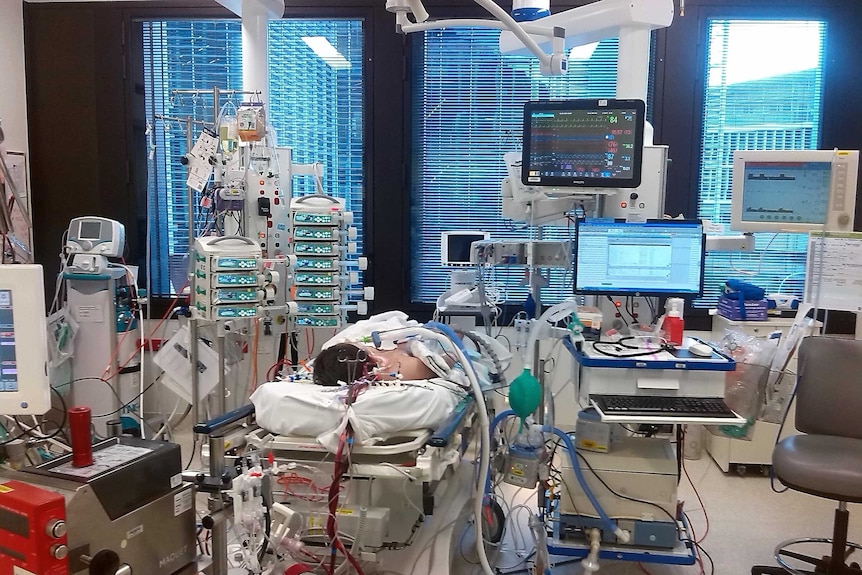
(540, 375)
(216, 505)
(193, 324)
(221, 391)
(215, 107)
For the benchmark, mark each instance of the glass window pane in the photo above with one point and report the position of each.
(763, 92)
(467, 110)
(317, 100)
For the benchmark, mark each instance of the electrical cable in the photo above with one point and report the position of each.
(108, 383)
(693, 541)
(702, 506)
(620, 346)
(711, 562)
(27, 432)
(621, 496)
(759, 263)
(143, 342)
(192, 456)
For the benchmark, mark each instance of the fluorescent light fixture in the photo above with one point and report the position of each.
(327, 52)
(583, 52)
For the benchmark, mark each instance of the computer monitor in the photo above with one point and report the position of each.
(24, 386)
(793, 190)
(455, 247)
(583, 143)
(654, 258)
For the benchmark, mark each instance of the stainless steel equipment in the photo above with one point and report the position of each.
(131, 502)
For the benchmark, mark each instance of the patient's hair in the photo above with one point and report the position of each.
(341, 362)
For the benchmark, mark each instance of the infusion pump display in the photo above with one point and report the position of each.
(574, 143)
(8, 363)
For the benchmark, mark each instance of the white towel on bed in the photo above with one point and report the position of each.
(381, 411)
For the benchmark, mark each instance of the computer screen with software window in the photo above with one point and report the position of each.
(654, 258)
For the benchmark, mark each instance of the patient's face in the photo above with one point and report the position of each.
(399, 361)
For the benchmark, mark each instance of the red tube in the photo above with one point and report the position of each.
(82, 445)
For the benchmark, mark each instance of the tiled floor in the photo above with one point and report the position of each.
(746, 520)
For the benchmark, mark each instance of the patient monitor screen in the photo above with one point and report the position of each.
(8, 364)
(578, 143)
(786, 192)
(660, 258)
(455, 247)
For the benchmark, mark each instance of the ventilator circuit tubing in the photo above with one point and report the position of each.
(567, 441)
(622, 535)
(485, 454)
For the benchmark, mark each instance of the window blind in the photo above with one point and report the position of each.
(467, 111)
(763, 91)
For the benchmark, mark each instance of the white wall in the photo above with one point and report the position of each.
(13, 102)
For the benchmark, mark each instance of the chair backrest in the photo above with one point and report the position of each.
(829, 393)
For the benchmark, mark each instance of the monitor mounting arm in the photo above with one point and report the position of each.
(631, 21)
(553, 64)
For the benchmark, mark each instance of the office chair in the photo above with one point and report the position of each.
(827, 462)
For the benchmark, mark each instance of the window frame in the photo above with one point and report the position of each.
(108, 171)
(133, 18)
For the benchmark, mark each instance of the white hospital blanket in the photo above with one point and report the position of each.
(380, 412)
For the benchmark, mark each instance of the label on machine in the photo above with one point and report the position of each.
(103, 460)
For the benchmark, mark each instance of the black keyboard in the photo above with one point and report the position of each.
(650, 405)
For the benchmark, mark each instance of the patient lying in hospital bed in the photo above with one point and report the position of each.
(408, 385)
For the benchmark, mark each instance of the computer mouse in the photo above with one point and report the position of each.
(700, 349)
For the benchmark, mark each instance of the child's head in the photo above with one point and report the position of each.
(343, 362)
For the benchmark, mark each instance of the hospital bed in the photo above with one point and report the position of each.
(396, 481)
(392, 486)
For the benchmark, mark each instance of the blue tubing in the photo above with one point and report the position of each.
(450, 333)
(575, 467)
(580, 476)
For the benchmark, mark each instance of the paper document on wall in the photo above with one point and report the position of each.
(833, 271)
